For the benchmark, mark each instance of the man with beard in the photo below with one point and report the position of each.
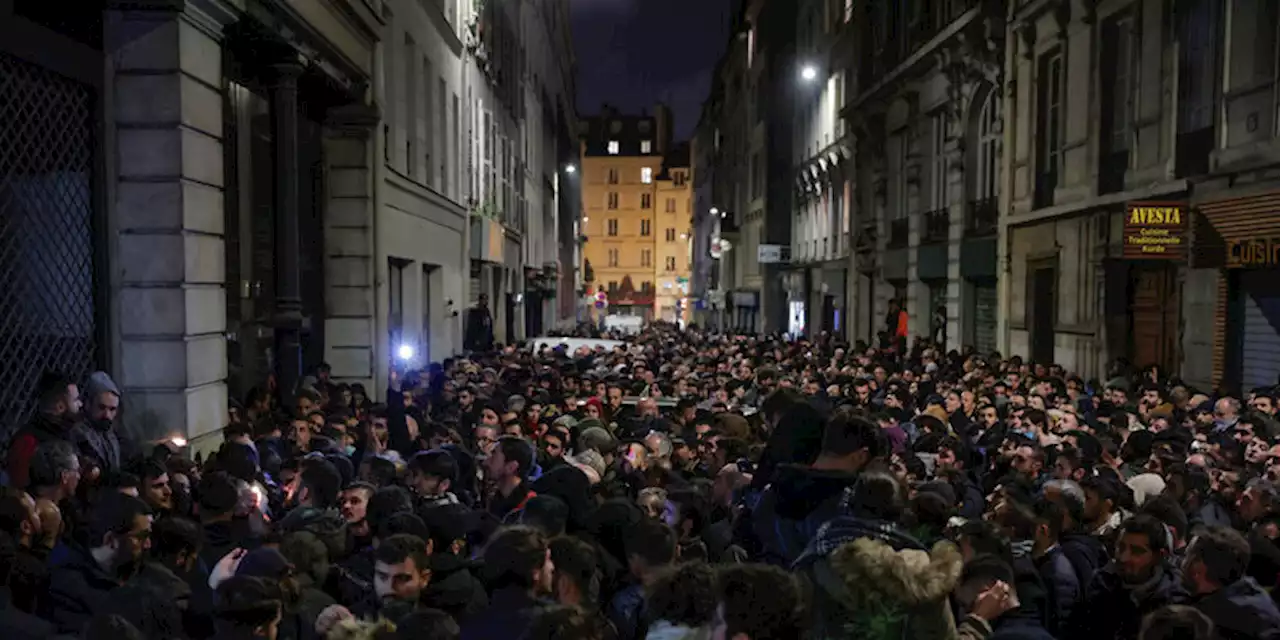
(1214, 575)
(98, 435)
(401, 570)
(59, 406)
(1139, 581)
(118, 534)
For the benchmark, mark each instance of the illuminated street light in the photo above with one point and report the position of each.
(715, 211)
(809, 73)
(569, 168)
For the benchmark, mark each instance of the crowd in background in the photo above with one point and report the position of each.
(680, 485)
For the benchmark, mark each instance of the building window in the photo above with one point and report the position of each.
(671, 263)
(938, 195)
(615, 126)
(613, 257)
(613, 147)
(644, 126)
(645, 228)
(613, 199)
(646, 146)
(613, 286)
(646, 175)
(613, 226)
(1049, 139)
(678, 178)
(987, 174)
(1120, 52)
(671, 234)
(646, 258)
(613, 176)
(646, 201)
(671, 205)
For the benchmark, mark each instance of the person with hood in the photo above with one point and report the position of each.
(1138, 581)
(79, 587)
(99, 434)
(870, 577)
(1214, 573)
(58, 408)
(802, 498)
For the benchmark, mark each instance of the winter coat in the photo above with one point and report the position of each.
(19, 625)
(627, 613)
(879, 585)
(103, 444)
(1063, 585)
(454, 588)
(1012, 626)
(1240, 611)
(663, 630)
(1087, 554)
(78, 590)
(22, 446)
(792, 509)
(1113, 610)
(510, 612)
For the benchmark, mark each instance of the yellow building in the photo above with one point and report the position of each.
(637, 215)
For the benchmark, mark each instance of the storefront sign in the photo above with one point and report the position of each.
(1254, 252)
(1155, 231)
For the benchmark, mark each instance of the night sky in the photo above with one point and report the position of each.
(634, 53)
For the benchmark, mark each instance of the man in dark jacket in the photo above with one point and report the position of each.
(479, 327)
(802, 499)
(59, 406)
(16, 624)
(1214, 574)
(119, 533)
(174, 558)
(1138, 582)
(517, 566)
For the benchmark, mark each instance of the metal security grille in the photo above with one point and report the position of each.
(47, 309)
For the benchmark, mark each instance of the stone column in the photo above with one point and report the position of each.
(350, 294)
(166, 187)
(288, 320)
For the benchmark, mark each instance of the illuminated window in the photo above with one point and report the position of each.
(646, 146)
(646, 173)
(613, 147)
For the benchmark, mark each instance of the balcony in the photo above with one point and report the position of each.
(981, 217)
(898, 231)
(937, 226)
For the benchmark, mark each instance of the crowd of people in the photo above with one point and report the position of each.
(679, 485)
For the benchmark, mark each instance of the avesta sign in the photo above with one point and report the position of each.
(1155, 231)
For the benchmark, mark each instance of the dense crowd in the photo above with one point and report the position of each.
(679, 485)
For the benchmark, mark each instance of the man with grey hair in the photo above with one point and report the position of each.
(98, 436)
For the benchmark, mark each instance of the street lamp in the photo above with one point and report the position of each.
(715, 211)
(570, 168)
(809, 73)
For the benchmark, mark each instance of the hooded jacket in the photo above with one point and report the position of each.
(790, 512)
(869, 588)
(1241, 611)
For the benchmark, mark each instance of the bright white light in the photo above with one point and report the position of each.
(684, 236)
(178, 441)
(570, 168)
(715, 211)
(809, 73)
(405, 352)
(585, 218)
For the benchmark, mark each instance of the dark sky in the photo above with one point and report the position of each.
(634, 53)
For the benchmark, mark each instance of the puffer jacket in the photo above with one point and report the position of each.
(792, 509)
(1241, 610)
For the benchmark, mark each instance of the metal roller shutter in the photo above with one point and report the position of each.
(1260, 344)
(985, 306)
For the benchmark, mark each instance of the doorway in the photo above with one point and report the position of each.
(1042, 314)
(1154, 309)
